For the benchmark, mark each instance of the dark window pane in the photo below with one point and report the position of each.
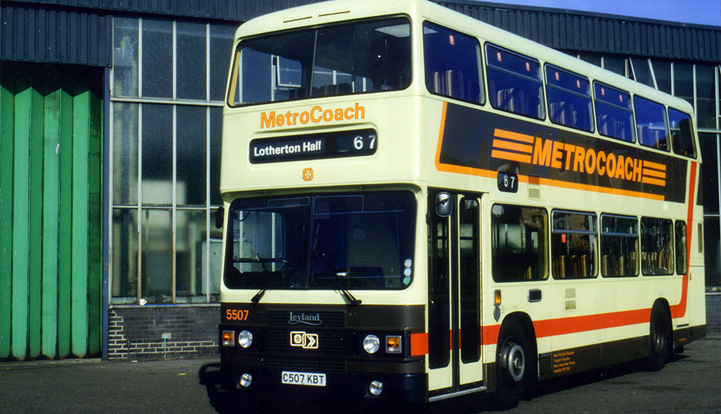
(221, 43)
(573, 245)
(656, 246)
(190, 147)
(650, 123)
(519, 243)
(191, 60)
(709, 173)
(705, 97)
(125, 253)
(712, 247)
(157, 154)
(662, 70)
(613, 113)
(681, 133)
(569, 99)
(642, 72)
(615, 64)
(619, 246)
(683, 81)
(452, 64)
(157, 59)
(125, 153)
(514, 83)
(216, 123)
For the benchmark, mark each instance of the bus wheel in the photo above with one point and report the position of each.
(514, 364)
(660, 338)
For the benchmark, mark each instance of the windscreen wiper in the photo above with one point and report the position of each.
(255, 299)
(352, 301)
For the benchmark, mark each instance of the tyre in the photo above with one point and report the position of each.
(660, 338)
(515, 364)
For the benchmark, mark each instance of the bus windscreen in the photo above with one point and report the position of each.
(322, 241)
(351, 58)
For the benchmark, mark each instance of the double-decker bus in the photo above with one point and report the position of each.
(420, 206)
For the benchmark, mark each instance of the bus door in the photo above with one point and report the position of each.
(454, 294)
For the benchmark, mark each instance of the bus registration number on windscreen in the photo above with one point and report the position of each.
(303, 378)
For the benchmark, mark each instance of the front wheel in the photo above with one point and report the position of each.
(515, 364)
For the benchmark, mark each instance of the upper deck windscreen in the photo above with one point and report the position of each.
(355, 57)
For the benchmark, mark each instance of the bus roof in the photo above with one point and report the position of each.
(419, 10)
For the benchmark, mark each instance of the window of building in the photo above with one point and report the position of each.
(453, 62)
(519, 244)
(573, 245)
(650, 123)
(168, 82)
(619, 246)
(569, 99)
(614, 117)
(656, 246)
(514, 83)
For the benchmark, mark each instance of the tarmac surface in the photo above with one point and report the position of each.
(691, 383)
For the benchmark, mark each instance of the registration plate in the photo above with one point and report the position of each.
(303, 378)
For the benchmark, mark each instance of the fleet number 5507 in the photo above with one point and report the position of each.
(236, 314)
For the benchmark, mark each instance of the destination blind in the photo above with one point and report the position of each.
(315, 146)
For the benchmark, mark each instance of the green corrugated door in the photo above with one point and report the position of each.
(50, 211)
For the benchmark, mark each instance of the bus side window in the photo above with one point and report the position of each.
(453, 62)
(681, 133)
(569, 99)
(519, 243)
(656, 246)
(619, 246)
(650, 123)
(681, 248)
(514, 83)
(614, 116)
(573, 245)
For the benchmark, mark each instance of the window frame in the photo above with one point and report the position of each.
(556, 263)
(606, 103)
(497, 70)
(433, 83)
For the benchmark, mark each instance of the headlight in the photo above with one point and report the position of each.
(245, 339)
(371, 343)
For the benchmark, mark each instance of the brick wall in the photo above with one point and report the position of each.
(137, 332)
(713, 313)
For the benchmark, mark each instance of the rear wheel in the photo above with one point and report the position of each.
(515, 364)
(660, 338)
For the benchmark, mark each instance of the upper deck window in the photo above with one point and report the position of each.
(613, 113)
(350, 58)
(453, 62)
(514, 83)
(651, 123)
(569, 99)
(681, 133)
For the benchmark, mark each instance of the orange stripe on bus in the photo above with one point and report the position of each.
(419, 344)
(502, 133)
(511, 156)
(653, 181)
(654, 165)
(513, 146)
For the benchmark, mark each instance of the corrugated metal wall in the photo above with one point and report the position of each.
(52, 35)
(78, 31)
(50, 211)
(590, 32)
